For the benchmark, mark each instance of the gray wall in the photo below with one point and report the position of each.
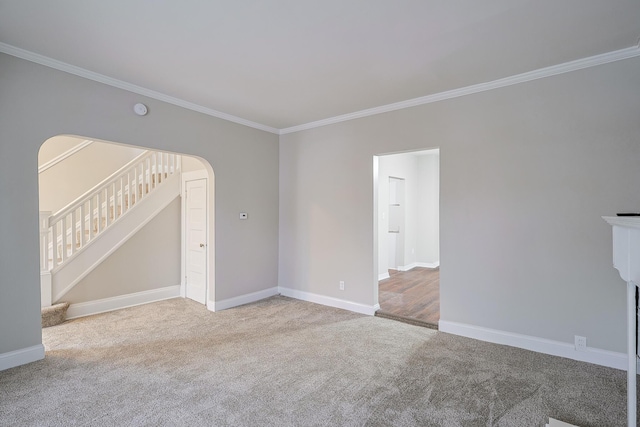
(37, 103)
(149, 260)
(526, 172)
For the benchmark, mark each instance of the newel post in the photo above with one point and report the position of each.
(45, 273)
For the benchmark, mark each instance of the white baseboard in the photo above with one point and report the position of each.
(407, 267)
(123, 301)
(419, 264)
(245, 299)
(383, 276)
(428, 264)
(21, 357)
(329, 301)
(596, 356)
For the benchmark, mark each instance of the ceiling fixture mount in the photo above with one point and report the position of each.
(140, 109)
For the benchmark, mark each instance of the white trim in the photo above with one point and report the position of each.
(21, 357)
(597, 356)
(101, 78)
(407, 267)
(382, 276)
(567, 67)
(418, 264)
(245, 299)
(329, 301)
(122, 301)
(428, 264)
(70, 152)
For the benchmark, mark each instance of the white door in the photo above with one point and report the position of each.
(196, 240)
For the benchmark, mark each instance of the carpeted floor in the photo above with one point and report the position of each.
(283, 362)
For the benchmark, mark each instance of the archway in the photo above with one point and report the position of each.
(87, 162)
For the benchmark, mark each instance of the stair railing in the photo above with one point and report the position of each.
(81, 221)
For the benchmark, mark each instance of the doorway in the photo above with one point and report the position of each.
(408, 246)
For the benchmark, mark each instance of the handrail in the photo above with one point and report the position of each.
(77, 224)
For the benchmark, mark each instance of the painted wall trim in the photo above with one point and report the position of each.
(419, 264)
(329, 301)
(245, 299)
(101, 78)
(104, 305)
(70, 152)
(596, 356)
(21, 357)
(383, 276)
(567, 67)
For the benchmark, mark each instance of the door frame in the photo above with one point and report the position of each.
(210, 249)
(377, 234)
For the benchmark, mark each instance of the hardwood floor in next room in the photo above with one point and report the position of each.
(412, 296)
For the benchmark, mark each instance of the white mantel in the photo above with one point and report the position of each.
(626, 259)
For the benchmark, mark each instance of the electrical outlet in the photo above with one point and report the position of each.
(581, 343)
(342, 285)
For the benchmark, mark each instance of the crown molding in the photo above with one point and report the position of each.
(100, 78)
(567, 67)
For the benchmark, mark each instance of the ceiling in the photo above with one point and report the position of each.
(284, 63)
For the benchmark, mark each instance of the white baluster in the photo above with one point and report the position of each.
(54, 244)
(143, 178)
(74, 224)
(99, 211)
(83, 226)
(92, 208)
(65, 226)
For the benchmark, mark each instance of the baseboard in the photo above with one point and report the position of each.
(428, 264)
(596, 356)
(383, 276)
(123, 301)
(419, 264)
(21, 357)
(329, 301)
(407, 267)
(245, 299)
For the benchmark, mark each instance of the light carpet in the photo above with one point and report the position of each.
(283, 362)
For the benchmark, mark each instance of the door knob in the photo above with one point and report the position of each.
(202, 245)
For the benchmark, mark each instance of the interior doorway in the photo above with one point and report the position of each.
(407, 187)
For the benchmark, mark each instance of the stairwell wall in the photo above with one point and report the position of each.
(149, 260)
(71, 178)
(37, 102)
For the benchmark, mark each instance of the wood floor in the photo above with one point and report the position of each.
(412, 296)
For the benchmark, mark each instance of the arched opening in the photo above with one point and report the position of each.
(117, 211)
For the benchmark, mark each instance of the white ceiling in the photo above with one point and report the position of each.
(283, 63)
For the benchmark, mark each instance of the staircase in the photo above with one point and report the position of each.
(76, 239)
